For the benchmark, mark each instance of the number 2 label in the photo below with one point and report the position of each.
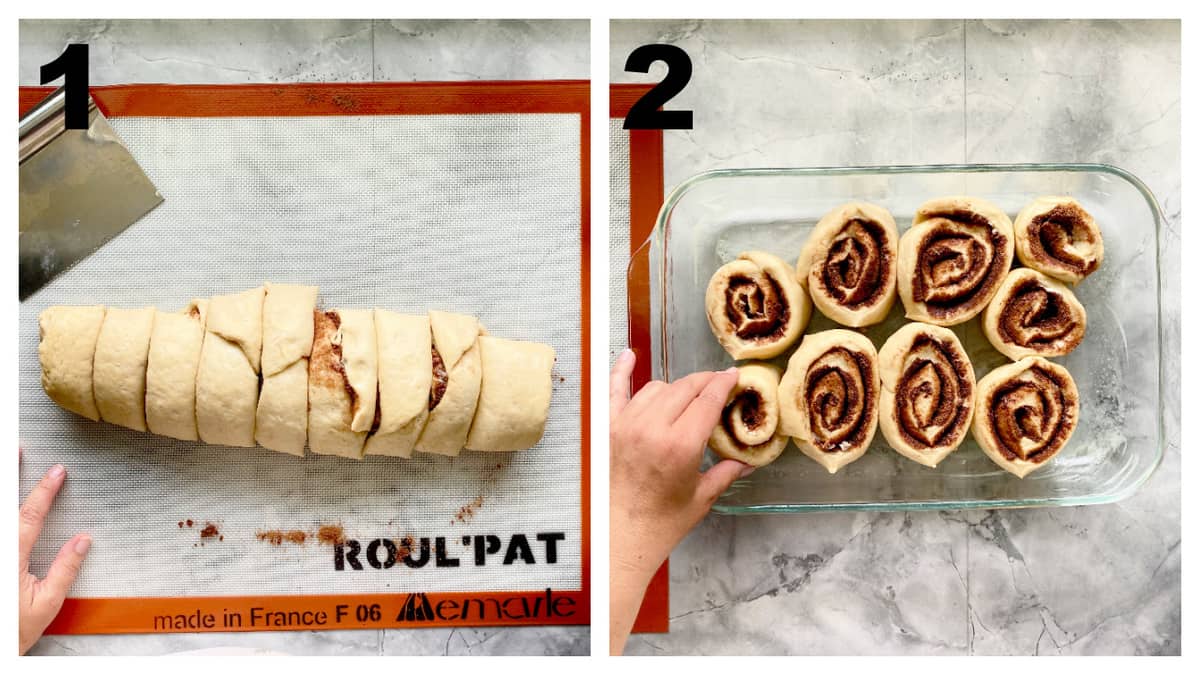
(645, 113)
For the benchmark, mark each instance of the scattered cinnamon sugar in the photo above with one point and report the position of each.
(210, 531)
(404, 547)
(331, 534)
(277, 537)
(181, 524)
(189, 522)
(467, 512)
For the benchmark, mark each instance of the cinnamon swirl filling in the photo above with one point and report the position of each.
(840, 398)
(1057, 237)
(849, 264)
(953, 259)
(1026, 413)
(749, 426)
(1033, 314)
(755, 306)
(928, 392)
(829, 397)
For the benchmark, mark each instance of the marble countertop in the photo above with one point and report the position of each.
(318, 51)
(1084, 580)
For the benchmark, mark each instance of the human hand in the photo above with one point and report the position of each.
(657, 493)
(40, 599)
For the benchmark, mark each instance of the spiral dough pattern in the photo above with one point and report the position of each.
(928, 392)
(829, 397)
(1025, 413)
(848, 264)
(749, 428)
(756, 308)
(1057, 237)
(1034, 315)
(953, 259)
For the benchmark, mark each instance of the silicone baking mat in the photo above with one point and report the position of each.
(635, 195)
(468, 197)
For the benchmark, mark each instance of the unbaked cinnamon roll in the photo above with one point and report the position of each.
(928, 392)
(749, 428)
(755, 306)
(1057, 237)
(848, 264)
(828, 398)
(1034, 315)
(1025, 412)
(953, 259)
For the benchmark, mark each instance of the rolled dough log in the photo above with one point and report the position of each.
(227, 377)
(514, 394)
(119, 371)
(66, 349)
(171, 367)
(238, 317)
(341, 382)
(405, 377)
(281, 421)
(455, 389)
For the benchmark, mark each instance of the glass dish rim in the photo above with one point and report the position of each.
(658, 239)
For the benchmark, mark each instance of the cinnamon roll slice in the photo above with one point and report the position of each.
(1025, 412)
(749, 428)
(928, 392)
(1034, 315)
(755, 306)
(828, 398)
(848, 264)
(953, 259)
(1057, 237)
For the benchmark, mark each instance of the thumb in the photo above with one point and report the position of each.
(718, 478)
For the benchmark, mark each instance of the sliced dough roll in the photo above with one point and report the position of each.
(67, 349)
(755, 306)
(829, 395)
(848, 264)
(455, 386)
(119, 368)
(1034, 315)
(238, 318)
(1025, 413)
(405, 376)
(928, 392)
(227, 376)
(171, 368)
(1057, 237)
(281, 420)
(342, 384)
(953, 259)
(514, 394)
(749, 428)
(287, 325)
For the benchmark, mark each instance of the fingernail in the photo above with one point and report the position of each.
(732, 371)
(56, 471)
(82, 544)
(626, 356)
(746, 471)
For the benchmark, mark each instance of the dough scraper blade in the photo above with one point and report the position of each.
(78, 189)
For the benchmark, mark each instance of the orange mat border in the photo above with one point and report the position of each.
(645, 199)
(135, 615)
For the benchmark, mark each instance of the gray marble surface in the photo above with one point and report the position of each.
(1084, 580)
(318, 51)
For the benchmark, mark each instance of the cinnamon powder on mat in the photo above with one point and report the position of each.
(331, 534)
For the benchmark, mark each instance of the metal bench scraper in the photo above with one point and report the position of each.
(78, 189)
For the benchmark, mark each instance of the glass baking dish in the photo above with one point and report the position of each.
(710, 218)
